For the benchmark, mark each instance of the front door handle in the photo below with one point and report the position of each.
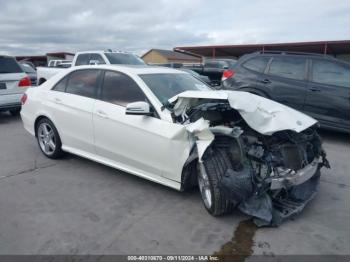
(102, 114)
(315, 89)
(265, 81)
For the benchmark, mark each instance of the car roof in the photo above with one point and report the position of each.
(291, 53)
(133, 69)
(7, 56)
(109, 51)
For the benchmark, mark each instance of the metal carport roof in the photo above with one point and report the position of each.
(323, 47)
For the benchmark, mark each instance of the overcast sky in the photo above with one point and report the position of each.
(39, 26)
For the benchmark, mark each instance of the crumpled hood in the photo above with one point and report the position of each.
(261, 114)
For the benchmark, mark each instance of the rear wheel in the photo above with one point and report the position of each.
(48, 139)
(15, 112)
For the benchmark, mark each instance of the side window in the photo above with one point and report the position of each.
(257, 64)
(83, 82)
(61, 85)
(82, 59)
(120, 89)
(330, 73)
(288, 67)
(96, 59)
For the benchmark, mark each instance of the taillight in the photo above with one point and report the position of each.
(24, 99)
(227, 74)
(25, 81)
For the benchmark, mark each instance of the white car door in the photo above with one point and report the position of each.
(70, 104)
(136, 143)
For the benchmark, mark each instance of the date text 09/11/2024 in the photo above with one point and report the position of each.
(173, 258)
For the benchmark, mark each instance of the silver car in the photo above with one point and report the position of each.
(13, 83)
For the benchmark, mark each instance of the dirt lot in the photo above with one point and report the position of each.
(76, 206)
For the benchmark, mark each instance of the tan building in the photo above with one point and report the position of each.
(159, 56)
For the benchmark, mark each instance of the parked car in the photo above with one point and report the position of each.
(30, 71)
(317, 85)
(213, 69)
(60, 63)
(168, 127)
(181, 67)
(203, 78)
(13, 83)
(108, 57)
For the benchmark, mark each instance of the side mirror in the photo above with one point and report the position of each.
(138, 108)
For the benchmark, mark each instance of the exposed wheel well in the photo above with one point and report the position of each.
(36, 123)
(189, 175)
(189, 172)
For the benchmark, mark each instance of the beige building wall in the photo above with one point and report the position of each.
(154, 57)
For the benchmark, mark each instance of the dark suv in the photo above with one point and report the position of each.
(317, 85)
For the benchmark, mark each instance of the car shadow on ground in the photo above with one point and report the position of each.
(6, 117)
(335, 136)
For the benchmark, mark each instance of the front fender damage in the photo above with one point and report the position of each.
(272, 186)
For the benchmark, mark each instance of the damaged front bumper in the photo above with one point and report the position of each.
(292, 178)
(271, 210)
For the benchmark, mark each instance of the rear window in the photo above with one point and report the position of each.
(124, 59)
(83, 83)
(9, 65)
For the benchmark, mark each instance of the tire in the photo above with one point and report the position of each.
(15, 112)
(215, 163)
(48, 139)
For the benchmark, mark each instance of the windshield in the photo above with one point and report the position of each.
(190, 72)
(165, 85)
(124, 59)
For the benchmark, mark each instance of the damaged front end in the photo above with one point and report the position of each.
(267, 157)
(279, 174)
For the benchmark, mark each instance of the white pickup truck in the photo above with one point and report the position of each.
(108, 57)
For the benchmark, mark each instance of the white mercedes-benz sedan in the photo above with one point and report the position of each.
(166, 126)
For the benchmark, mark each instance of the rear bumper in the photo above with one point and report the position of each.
(28, 122)
(12, 101)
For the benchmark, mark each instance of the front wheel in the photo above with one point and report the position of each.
(210, 173)
(48, 139)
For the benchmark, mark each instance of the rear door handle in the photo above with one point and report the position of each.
(102, 114)
(265, 81)
(57, 100)
(314, 89)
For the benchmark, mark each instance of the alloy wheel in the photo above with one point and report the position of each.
(47, 139)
